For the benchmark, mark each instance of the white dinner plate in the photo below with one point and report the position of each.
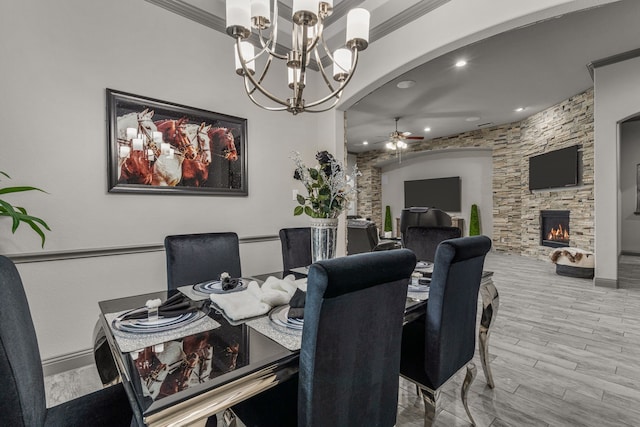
(215, 287)
(144, 326)
(279, 316)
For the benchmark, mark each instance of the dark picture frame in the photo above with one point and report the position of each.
(160, 147)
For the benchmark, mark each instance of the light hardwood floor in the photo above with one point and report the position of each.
(563, 353)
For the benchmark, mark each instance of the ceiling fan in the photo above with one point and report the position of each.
(397, 139)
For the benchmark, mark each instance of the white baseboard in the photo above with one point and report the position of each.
(66, 362)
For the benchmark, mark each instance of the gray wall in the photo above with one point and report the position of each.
(474, 167)
(617, 98)
(629, 161)
(57, 59)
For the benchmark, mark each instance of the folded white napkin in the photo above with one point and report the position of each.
(256, 300)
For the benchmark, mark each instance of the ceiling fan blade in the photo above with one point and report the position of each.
(414, 137)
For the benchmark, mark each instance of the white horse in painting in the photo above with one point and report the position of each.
(191, 157)
(134, 167)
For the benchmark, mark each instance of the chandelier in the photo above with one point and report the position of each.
(307, 42)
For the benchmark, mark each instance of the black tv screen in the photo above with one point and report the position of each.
(441, 193)
(554, 169)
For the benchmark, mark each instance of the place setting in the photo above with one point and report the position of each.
(158, 322)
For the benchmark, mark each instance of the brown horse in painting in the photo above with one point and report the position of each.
(195, 172)
(136, 169)
(223, 137)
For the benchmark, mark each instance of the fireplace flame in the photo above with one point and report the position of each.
(558, 234)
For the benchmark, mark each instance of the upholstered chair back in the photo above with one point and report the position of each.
(452, 305)
(22, 401)
(350, 355)
(296, 247)
(362, 236)
(195, 258)
(423, 241)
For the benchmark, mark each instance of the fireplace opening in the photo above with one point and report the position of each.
(554, 228)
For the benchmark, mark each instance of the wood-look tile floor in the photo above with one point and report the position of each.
(563, 353)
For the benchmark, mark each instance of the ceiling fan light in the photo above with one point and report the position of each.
(402, 144)
(390, 145)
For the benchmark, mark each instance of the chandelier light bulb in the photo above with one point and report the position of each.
(342, 64)
(247, 51)
(238, 18)
(358, 28)
(261, 9)
(305, 12)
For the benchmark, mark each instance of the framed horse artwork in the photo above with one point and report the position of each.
(161, 147)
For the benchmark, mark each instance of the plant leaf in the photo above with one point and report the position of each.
(8, 210)
(37, 229)
(301, 199)
(298, 210)
(3, 173)
(8, 190)
(309, 211)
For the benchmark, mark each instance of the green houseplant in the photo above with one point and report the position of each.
(388, 227)
(19, 214)
(474, 221)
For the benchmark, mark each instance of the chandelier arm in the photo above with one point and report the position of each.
(354, 64)
(335, 102)
(297, 90)
(324, 75)
(319, 36)
(255, 101)
(247, 74)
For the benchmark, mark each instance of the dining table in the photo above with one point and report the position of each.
(181, 375)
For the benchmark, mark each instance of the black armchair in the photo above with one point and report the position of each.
(350, 355)
(423, 241)
(296, 247)
(194, 258)
(422, 217)
(362, 236)
(439, 344)
(22, 396)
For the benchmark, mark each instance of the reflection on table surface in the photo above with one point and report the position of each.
(179, 369)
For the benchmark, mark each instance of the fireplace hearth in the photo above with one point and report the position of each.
(554, 228)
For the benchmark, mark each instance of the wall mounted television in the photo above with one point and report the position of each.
(441, 193)
(555, 169)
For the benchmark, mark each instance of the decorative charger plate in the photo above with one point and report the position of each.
(144, 326)
(215, 287)
(279, 316)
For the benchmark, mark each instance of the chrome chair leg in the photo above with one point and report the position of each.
(466, 384)
(430, 399)
(490, 304)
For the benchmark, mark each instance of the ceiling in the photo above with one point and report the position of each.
(533, 67)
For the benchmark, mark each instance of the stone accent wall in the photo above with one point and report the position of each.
(563, 125)
(516, 225)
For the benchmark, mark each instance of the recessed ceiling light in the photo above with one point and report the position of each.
(472, 119)
(405, 84)
(517, 110)
(427, 129)
(461, 63)
(365, 142)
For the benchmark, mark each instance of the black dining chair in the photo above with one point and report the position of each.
(22, 395)
(195, 258)
(362, 236)
(296, 247)
(423, 241)
(440, 343)
(350, 355)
